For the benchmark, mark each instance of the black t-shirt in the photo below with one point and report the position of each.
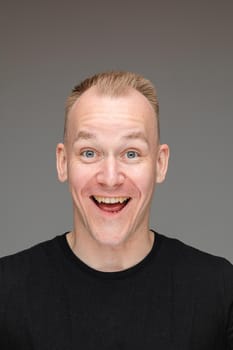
(176, 298)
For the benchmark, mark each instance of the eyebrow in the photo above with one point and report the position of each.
(84, 135)
(136, 135)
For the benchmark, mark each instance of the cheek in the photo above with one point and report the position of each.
(78, 176)
(144, 179)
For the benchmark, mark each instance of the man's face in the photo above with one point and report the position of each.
(112, 160)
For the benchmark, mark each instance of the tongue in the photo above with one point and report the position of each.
(111, 207)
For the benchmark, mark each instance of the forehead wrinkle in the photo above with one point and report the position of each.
(134, 135)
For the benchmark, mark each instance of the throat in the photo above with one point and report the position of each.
(111, 268)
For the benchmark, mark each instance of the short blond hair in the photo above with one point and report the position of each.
(114, 83)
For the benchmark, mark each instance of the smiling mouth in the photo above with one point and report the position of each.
(111, 204)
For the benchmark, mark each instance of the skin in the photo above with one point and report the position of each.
(111, 150)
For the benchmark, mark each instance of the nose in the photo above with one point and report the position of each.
(110, 173)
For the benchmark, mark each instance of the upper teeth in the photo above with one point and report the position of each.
(110, 199)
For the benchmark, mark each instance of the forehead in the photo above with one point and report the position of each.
(93, 110)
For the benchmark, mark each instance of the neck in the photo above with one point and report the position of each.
(111, 258)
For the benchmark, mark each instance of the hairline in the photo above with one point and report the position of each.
(121, 93)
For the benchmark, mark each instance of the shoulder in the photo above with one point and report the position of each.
(16, 268)
(200, 269)
(184, 253)
(203, 280)
(196, 265)
(207, 278)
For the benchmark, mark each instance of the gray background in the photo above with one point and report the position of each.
(184, 47)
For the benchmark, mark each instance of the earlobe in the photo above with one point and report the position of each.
(162, 163)
(61, 159)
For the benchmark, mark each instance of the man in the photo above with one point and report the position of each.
(112, 283)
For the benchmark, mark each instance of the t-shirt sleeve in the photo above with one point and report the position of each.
(2, 295)
(2, 303)
(228, 288)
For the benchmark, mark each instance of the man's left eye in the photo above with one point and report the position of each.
(131, 154)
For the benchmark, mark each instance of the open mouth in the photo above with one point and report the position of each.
(111, 204)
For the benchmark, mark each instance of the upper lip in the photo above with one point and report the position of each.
(110, 199)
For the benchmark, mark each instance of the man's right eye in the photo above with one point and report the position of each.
(88, 153)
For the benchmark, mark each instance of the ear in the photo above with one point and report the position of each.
(162, 163)
(61, 158)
